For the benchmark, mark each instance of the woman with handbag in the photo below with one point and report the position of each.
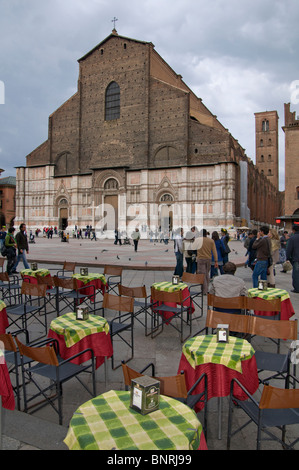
(275, 245)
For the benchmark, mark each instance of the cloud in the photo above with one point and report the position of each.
(239, 57)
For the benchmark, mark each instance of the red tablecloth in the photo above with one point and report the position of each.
(6, 390)
(33, 279)
(287, 311)
(88, 290)
(4, 323)
(220, 377)
(100, 343)
(203, 442)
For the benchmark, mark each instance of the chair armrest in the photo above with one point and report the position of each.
(152, 365)
(244, 390)
(77, 355)
(122, 316)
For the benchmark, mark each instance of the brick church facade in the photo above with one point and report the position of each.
(135, 146)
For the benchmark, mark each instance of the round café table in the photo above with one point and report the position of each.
(287, 309)
(166, 286)
(4, 323)
(107, 422)
(75, 336)
(7, 399)
(97, 280)
(222, 362)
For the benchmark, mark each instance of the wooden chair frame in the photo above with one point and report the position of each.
(33, 305)
(50, 365)
(113, 276)
(195, 282)
(142, 303)
(277, 408)
(121, 323)
(159, 305)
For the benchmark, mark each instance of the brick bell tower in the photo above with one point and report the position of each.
(266, 145)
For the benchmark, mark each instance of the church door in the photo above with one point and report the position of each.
(63, 219)
(111, 212)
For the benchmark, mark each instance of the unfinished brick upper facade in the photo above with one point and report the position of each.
(165, 147)
(291, 130)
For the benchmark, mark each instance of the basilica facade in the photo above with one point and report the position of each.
(134, 146)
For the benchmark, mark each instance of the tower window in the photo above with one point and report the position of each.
(112, 102)
(265, 125)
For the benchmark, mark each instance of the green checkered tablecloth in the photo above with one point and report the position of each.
(30, 272)
(269, 294)
(2, 305)
(205, 348)
(90, 277)
(74, 330)
(168, 286)
(107, 422)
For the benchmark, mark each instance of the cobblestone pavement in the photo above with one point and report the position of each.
(153, 262)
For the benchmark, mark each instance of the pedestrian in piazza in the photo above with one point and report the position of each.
(136, 238)
(23, 248)
(293, 256)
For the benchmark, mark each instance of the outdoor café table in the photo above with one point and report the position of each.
(287, 310)
(7, 399)
(169, 287)
(30, 274)
(107, 422)
(4, 323)
(92, 279)
(222, 362)
(75, 336)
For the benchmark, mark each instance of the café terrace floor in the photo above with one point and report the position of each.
(153, 262)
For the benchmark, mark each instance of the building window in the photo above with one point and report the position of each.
(112, 102)
(265, 125)
(261, 143)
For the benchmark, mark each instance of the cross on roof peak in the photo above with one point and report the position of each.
(114, 21)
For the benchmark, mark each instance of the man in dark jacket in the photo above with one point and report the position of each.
(22, 244)
(293, 256)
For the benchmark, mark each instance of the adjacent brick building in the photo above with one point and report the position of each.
(291, 131)
(7, 201)
(134, 137)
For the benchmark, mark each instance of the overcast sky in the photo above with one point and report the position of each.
(239, 56)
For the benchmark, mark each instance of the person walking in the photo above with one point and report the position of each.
(179, 252)
(263, 253)
(3, 234)
(189, 252)
(225, 240)
(205, 247)
(251, 251)
(136, 238)
(275, 245)
(10, 245)
(292, 255)
(220, 253)
(23, 248)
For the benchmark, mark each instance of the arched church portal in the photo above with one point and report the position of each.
(111, 187)
(166, 212)
(63, 214)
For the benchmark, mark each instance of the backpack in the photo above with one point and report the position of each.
(3, 250)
